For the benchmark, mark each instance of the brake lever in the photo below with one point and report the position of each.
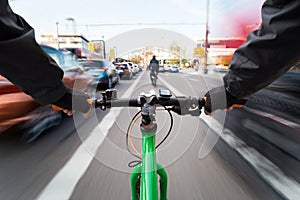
(189, 106)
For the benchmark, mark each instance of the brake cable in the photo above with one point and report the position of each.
(170, 129)
(129, 137)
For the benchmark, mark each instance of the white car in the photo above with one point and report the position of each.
(167, 68)
(134, 71)
(136, 68)
(174, 69)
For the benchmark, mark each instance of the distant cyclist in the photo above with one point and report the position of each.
(154, 66)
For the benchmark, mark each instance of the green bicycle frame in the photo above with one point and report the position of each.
(149, 169)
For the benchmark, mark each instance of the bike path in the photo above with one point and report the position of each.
(189, 177)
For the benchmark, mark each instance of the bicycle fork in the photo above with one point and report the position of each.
(149, 169)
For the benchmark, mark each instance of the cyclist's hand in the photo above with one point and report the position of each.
(71, 112)
(68, 112)
(74, 100)
(219, 98)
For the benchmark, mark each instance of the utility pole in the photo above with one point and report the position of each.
(104, 50)
(206, 38)
(57, 33)
(73, 23)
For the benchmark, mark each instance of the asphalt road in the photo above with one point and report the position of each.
(73, 161)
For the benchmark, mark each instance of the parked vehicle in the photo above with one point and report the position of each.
(161, 68)
(167, 68)
(131, 66)
(104, 75)
(140, 68)
(136, 68)
(127, 72)
(119, 70)
(174, 69)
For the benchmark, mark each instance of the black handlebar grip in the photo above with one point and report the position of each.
(133, 102)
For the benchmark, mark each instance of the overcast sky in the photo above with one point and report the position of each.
(96, 18)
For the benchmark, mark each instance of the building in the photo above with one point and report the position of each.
(76, 43)
(220, 50)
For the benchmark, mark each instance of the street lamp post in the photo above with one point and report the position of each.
(73, 22)
(57, 33)
(103, 43)
(115, 51)
(206, 37)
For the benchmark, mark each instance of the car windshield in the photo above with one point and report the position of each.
(65, 59)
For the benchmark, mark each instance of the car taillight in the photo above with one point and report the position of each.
(126, 70)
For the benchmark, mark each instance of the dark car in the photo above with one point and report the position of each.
(125, 70)
(104, 75)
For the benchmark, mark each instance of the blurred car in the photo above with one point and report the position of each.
(74, 74)
(105, 76)
(22, 112)
(161, 68)
(167, 68)
(119, 70)
(14, 105)
(127, 72)
(174, 69)
(136, 68)
(133, 69)
(140, 68)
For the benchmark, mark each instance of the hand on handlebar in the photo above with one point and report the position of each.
(219, 98)
(66, 111)
(71, 112)
(74, 100)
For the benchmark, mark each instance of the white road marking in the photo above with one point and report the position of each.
(273, 117)
(64, 182)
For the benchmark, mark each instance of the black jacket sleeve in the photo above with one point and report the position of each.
(24, 63)
(269, 51)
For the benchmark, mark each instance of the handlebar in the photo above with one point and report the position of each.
(181, 105)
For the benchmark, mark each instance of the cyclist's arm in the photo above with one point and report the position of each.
(268, 53)
(26, 65)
